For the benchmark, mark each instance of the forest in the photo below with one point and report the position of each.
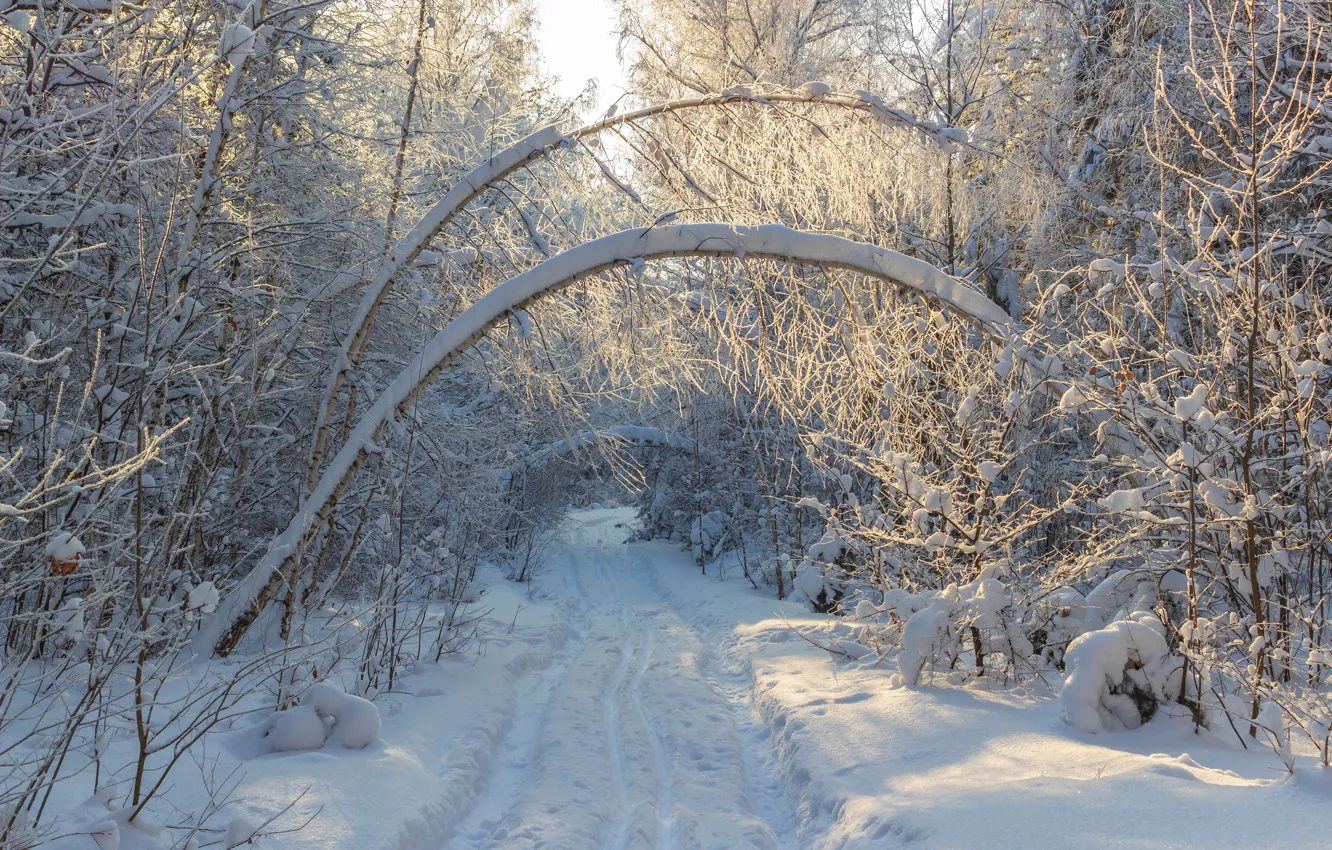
(371, 414)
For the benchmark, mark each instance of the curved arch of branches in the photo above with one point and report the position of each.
(626, 248)
(518, 156)
(624, 435)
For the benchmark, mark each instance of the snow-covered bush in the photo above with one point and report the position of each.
(1199, 357)
(1119, 675)
(708, 533)
(935, 515)
(324, 713)
(297, 729)
(354, 721)
(821, 578)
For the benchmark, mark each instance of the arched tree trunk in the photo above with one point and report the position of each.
(771, 242)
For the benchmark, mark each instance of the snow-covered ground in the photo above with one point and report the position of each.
(867, 765)
(626, 701)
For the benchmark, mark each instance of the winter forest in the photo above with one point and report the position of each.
(883, 423)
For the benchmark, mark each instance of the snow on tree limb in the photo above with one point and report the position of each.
(408, 248)
(235, 47)
(631, 435)
(773, 242)
(535, 146)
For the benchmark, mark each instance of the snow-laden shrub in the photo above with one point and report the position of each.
(708, 533)
(298, 729)
(926, 635)
(822, 577)
(1119, 675)
(355, 721)
(324, 714)
(971, 618)
(1053, 621)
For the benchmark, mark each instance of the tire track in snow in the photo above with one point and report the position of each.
(768, 797)
(516, 756)
(665, 814)
(610, 703)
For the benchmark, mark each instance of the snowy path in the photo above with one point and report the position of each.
(635, 739)
(686, 713)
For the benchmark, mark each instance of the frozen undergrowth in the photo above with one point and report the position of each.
(335, 770)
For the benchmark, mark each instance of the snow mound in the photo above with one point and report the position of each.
(355, 720)
(298, 729)
(1118, 675)
(324, 714)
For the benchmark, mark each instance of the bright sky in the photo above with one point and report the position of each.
(578, 44)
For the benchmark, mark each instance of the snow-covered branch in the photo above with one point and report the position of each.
(535, 146)
(771, 242)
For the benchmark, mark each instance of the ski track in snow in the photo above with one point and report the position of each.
(735, 682)
(633, 737)
(664, 804)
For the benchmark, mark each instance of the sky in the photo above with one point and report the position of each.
(578, 44)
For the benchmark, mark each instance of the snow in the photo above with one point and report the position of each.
(624, 699)
(1191, 406)
(64, 547)
(1122, 501)
(967, 408)
(1072, 399)
(19, 20)
(865, 765)
(239, 831)
(355, 721)
(921, 639)
(1179, 359)
(1106, 267)
(105, 827)
(237, 44)
(69, 619)
(414, 242)
(816, 89)
(439, 741)
(299, 728)
(637, 743)
(203, 597)
(1098, 661)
